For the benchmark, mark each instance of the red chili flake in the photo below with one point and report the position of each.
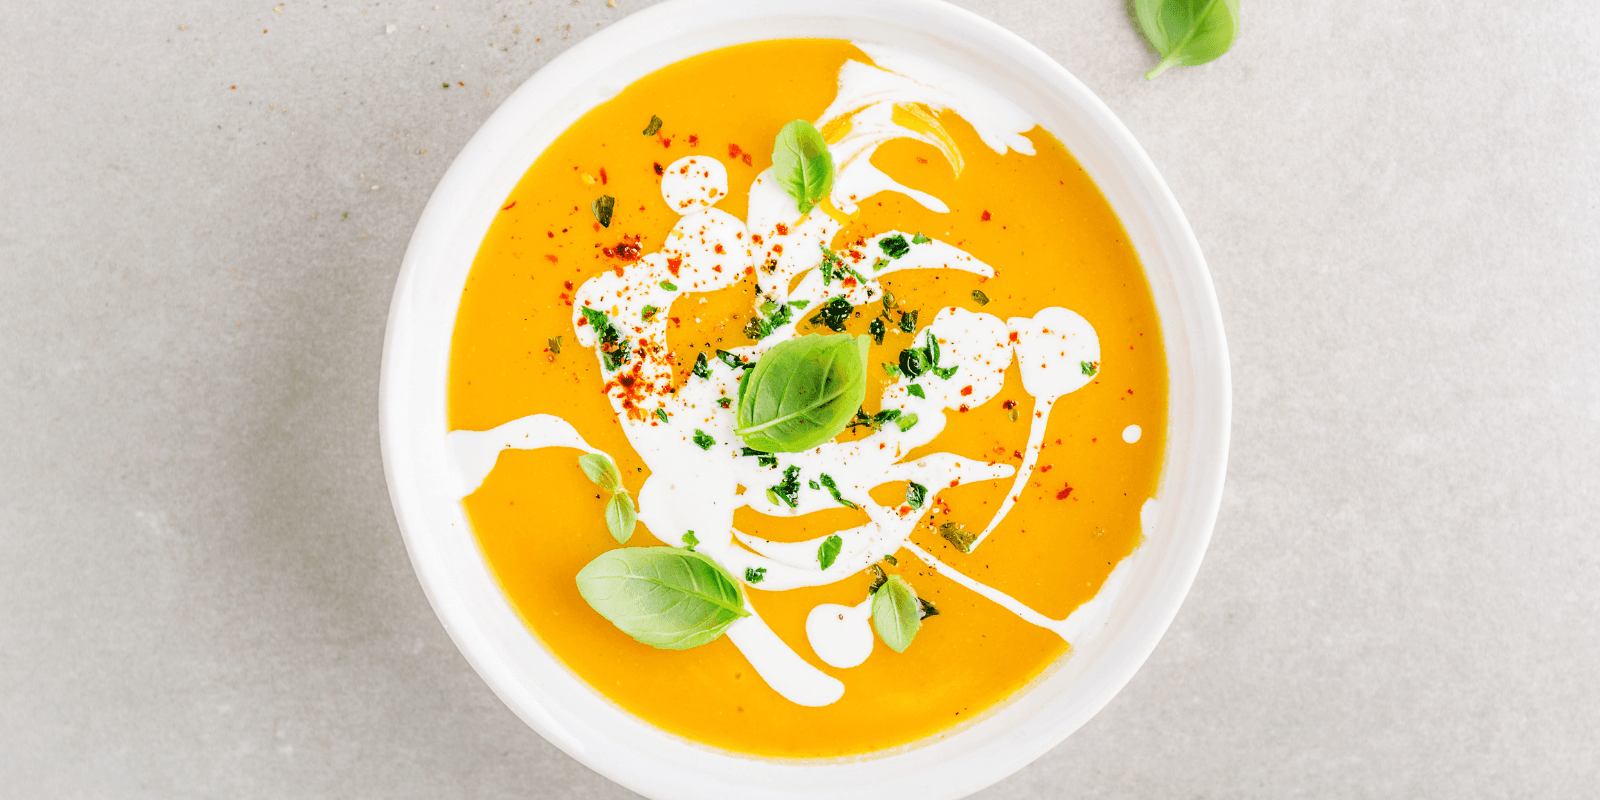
(921, 160)
(964, 408)
(719, 251)
(552, 259)
(550, 234)
(602, 176)
(1016, 454)
(694, 141)
(985, 216)
(1047, 468)
(778, 248)
(746, 159)
(665, 142)
(717, 268)
(628, 251)
(1013, 337)
(582, 321)
(954, 482)
(509, 206)
(755, 238)
(567, 284)
(673, 264)
(734, 151)
(1009, 404)
(849, 281)
(966, 390)
(659, 169)
(1062, 495)
(783, 230)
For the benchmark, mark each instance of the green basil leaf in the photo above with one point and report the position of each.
(664, 597)
(828, 551)
(1089, 368)
(916, 494)
(908, 421)
(802, 392)
(896, 614)
(1187, 32)
(601, 471)
(916, 390)
(621, 517)
(802, 164)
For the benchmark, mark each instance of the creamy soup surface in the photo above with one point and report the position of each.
(954, 222)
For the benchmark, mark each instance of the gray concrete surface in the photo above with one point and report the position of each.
(203, 593)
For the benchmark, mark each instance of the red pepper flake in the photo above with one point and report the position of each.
(966, 390)
(783, 230)
(665, 142)
(694, 141)
(849, 281)
(964, 408)
(1062, 495)
(551, 258)
(602, 176)
(746, 159)
(660, 170)
(1013, 337)
(567, 285)
(778, 248)
(734, 151)
(954, 482)
(921, 160)
(673, 264)
(755, 238)
(717, 268)
(509, 206)
(985, 216)
(1009, 404)
(719, 251)
(582, 321)
(904, 510)
(1047, 468)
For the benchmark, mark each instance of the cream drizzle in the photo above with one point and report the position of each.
(698, 489)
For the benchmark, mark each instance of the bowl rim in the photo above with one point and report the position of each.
(624, 748)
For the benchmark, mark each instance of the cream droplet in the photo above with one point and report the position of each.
(1131, 434)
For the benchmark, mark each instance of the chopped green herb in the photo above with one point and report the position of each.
(816, 487)
(945, 372)
(758, 574)
(892, 369)
(648, 312)
(613, 351)
(880, 263)
(602, 209)
(725, 402)
(787, 491)
(661, 414)
(911, 362)
(703, 439)
(908, 321)
(833, 314)
(833, 489)
(916, 391)
(979, 297)
(830, 260)
(916, 494)
(877, 330)
(894, 246)
(958, 536)
(927, 608)
(888, 301)
(669, 286)
(759, 328)
(555, 345)
(764, 459)
(1089, 368)
(932, 349)
(654, 127)
(733, 360)
(907, 422)
(893, 562)
(920, 239)
(799, 305)
(690, 540)
(828, 551)
(702, 368)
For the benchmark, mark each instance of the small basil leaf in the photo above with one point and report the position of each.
(664, 597)
(601, 471)
(620, 517)
(896, 614)
(802, 164)
(802, 392)
(1187, 32)
(828, 551)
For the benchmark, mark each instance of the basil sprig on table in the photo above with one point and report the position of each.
(664, 597)
(802, 164)
(802, 392)
(621, 516)
(1187, 32)
(896, 613)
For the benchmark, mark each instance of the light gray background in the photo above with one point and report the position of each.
(203, 592)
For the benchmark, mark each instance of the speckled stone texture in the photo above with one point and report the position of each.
(203, 592)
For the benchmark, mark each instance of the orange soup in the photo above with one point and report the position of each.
(805, 396)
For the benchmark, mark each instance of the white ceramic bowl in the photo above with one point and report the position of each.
(457, 580)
